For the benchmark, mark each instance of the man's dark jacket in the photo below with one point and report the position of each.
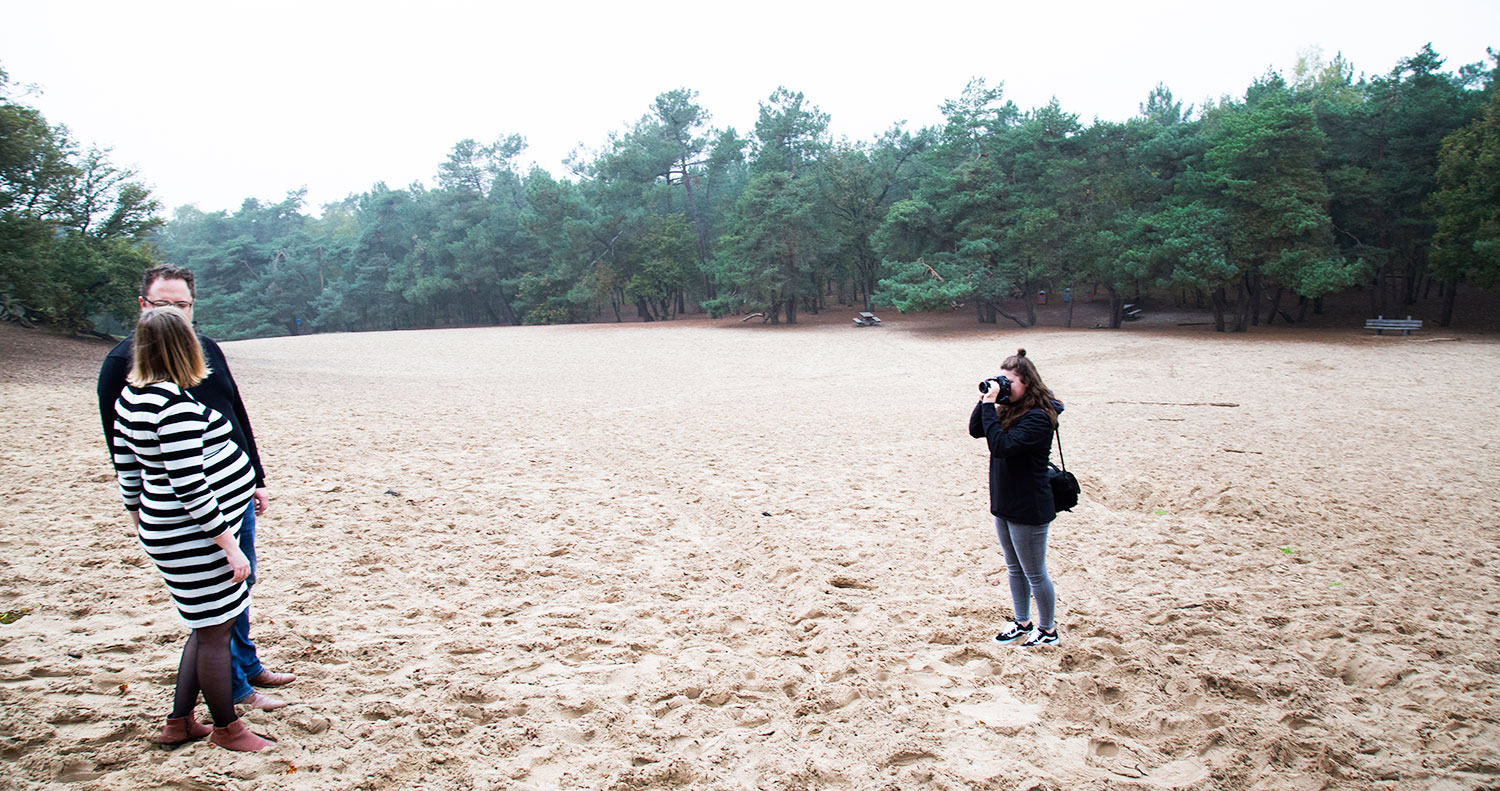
(217, 392)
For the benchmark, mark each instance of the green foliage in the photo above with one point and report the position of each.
(1261, 169)
(859, 185)
(1466, 203)
(667, 254)
(774, 245)
(790, 133)
(913, 287)
(1301, 187)
(545, 301)
(1384, 138)
(73, 225)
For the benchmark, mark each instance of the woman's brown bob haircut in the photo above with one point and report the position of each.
(166, 350)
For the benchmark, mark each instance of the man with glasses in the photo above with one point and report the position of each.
(170, 285)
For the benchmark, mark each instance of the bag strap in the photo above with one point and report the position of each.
(1060, 458)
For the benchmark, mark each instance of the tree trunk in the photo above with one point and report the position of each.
(1275, 305)
(1450, 291)
(1257, 288)
(687, 182)
(643, 310)
(1017, 319)
(791, 308)
(1302, 303)
(1416, 264)
(1220, 303)
(1241, 307)
(507, 311)
(1068, 320)
(1116, 308)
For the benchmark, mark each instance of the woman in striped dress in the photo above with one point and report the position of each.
(186, 485)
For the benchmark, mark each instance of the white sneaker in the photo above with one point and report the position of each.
(1040, 637)
(1014, 632)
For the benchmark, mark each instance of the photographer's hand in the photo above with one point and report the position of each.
(989, 398)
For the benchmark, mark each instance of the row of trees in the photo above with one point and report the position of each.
(74, 227)
(1301, 188)
(1259, 205)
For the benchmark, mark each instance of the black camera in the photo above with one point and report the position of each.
(997, 381)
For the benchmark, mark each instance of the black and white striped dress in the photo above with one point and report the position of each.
(188, 481)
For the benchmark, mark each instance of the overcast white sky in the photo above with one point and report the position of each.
(214, 102)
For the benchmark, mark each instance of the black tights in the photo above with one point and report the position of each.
(205, 667)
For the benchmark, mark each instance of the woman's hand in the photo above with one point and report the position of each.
(989, 397)
(238, 563)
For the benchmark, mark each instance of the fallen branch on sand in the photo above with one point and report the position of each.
(760, 316)
(1174, 403)
(1232, 450)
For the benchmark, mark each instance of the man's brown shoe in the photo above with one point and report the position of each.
(266, 678)
(256, 700)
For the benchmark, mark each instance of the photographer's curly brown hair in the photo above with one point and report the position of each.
(1038, 395)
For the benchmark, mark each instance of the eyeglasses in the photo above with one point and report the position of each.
(164, 303)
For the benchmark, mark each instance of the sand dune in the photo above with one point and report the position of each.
(720, 556)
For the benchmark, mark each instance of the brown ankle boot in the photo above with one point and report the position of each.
(183, 729)
(235, 736)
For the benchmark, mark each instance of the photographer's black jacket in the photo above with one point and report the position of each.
(1019, 490)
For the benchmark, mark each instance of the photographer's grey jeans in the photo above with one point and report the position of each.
(1026, 562)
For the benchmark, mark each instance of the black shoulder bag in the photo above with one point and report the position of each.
(1064, 486)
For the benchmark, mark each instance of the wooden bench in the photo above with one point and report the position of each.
(1380, 324)
(1130, 312)
(866, 320)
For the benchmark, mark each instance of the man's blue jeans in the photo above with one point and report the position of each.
(242, 656)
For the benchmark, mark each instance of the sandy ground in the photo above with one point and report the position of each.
(723, 556)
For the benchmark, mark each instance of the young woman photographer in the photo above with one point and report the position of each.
(1017, 423)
